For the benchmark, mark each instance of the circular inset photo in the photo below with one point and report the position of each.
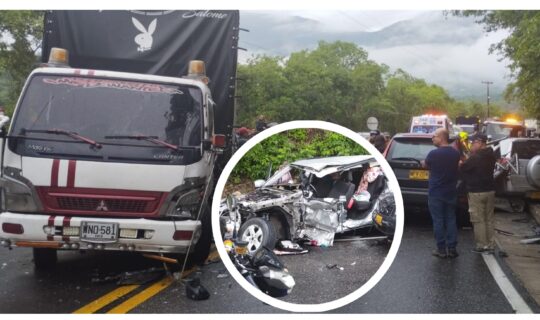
(307, 216)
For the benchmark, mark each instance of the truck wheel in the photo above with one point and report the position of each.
(258, 233)
(202, 248)
(44, 258)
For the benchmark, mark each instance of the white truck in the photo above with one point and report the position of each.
(111, 160)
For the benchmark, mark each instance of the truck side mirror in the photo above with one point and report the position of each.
(207, 145)
(4, 120)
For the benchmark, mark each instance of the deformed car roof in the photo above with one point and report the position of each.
(336, 163)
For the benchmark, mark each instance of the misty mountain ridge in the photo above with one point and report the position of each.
(445, 50)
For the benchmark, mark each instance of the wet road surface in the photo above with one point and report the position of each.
(416, 282)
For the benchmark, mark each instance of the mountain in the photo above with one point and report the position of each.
(442, 49)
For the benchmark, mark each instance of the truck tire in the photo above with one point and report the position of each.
(258, 233)
(202, 248)
(44, 258)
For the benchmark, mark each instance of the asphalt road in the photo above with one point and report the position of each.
(416, 282)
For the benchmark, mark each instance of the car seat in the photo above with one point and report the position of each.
(342, 188)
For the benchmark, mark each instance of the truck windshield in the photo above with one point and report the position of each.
(106, 111)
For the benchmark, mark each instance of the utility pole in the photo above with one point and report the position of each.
(487, 83)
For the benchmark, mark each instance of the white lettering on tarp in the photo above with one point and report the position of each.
(114, 84)
(204, 14)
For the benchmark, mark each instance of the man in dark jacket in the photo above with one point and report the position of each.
(442, 194)
(477, 172)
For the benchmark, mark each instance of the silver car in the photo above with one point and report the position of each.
(312, 200)
(517, 172)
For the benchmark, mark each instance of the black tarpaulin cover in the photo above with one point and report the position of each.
(153, 42)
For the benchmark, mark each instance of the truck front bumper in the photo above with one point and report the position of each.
(38, 230)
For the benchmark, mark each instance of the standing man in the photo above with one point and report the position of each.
(377, 140)
(442, 195)
(477, 172)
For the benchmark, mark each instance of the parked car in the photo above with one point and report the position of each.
(404, 154)
(518, 170)
(313, 200)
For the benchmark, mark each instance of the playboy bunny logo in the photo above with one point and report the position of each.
(144, 40)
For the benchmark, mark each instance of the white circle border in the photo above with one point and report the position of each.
(394, 186)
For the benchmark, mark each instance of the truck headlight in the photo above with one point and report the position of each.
(186, 206)
(17, 196)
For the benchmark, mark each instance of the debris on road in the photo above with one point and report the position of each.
(131, 277)
(222, 275)
(195, 290)
(506, 233)
(334, 266)
(530, 240)
(360, 239)
(287, 247)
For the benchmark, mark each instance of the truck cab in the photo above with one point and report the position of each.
(104, 160)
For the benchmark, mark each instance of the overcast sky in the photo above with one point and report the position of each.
(445, 50)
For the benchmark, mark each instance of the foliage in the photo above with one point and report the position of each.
(21, 32)
(292, 145)
(521, 47)
(335, 82)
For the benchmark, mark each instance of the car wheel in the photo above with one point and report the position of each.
(44, 258)
(258, 233)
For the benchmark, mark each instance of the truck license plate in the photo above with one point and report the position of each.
(418, 174)
(99, 231)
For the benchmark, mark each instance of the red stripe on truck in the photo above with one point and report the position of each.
(54, 172)
(50, 223)
(72, 166)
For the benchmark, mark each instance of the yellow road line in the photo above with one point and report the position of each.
(106, 299)
(137, 299)
(141, 297)
(154, 289)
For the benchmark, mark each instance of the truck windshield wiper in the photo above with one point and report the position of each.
(153, 139)
(74, 135)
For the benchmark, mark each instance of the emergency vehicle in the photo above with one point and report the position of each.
(428, 123)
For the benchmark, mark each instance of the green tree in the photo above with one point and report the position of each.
(21, 32)
(521, 47)
(292, 145)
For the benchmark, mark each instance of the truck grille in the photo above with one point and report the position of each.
(100, 202)
(68, 203)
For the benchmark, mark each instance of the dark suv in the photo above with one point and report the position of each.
(404, 154)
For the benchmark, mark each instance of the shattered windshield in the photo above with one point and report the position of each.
(141, 121)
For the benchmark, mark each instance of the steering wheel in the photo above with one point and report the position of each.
(312, 188)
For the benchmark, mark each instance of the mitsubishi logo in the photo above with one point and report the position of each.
(102, 206)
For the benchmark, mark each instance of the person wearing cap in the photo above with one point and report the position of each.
(442, 193)
(377, 140)
(477, 172)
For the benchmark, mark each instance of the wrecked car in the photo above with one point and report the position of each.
(312, 200)
(517, 173)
